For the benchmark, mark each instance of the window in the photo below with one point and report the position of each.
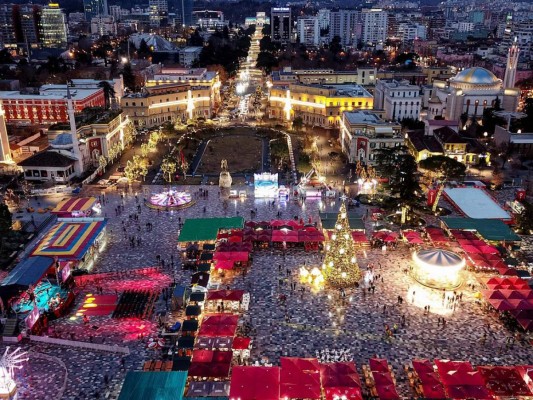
(28, 173)
(372, 145)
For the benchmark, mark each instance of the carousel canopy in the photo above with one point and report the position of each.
(490, 229)
(161, 385)
(206, 229)
(439, 257)
(74, 204)
(69, 240)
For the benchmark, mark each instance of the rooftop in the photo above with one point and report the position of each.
(90, 115)
(365, 117)
(53, 93)
(521, 138)
(448, 135)
(422, 142)
(48, 158)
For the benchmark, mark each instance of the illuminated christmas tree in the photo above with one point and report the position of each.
(340, 267)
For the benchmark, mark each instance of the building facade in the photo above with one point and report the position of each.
(53, 26)
(168, 102)
(317, 105)
(95, 8)
(375, 26)
(308, 31)
(362, 132)
(470, 92)
(183, 11)
(398, 99)
(281, 24)
(345, 24)
(363, 76)
(49, 106)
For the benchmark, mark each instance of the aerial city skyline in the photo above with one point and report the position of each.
(251, 200)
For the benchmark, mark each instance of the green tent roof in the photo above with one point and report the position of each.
(329, 219)
(163, 385)
(205, 229)
(490, 229)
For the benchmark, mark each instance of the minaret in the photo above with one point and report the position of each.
(5, 151)
(78, 166)
(512, 61)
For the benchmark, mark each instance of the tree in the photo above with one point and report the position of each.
(387, 159)
(129, 134)
(443, 168)
(102, 162)
(335, 45)
(130, 79)
(145, 149)
(109, 92)
(525, 218)
(6, 222)
(196, 39)
(144, 50)
(340, 267)
(266, 30)
(169, 167)
(266, 61)
(297, 123)
(412, 124)
(404, 180)
(5, 57)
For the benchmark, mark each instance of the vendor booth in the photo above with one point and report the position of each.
(74, 240)
(77, 207)
(265, 185)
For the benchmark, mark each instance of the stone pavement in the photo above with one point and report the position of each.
(307, 323)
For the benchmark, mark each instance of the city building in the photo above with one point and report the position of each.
(98, 131)
(363, 76)
(470, 92)
(398, 99)
(168, 102)
(49, 106)
(362, 132)
(375, 26)
(323, 16)
(183, 11)
(103, 25)
(308, 31)
(281, 24)
(192, 76)
(408, 32)
(94, 8)
(189, 55)
(53, 26)
(19, 25)
(345, 24)
(447, 142)
(158, 10)
(208, 19)
(520, 143)
(317, 105)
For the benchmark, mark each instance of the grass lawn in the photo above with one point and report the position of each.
(243, 154)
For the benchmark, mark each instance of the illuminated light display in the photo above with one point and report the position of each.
(265, 185)
(8, 363)
(340, 268)
(170, 199)
(438, 268)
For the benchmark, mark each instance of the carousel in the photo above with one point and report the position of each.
(438, 268)
(170, 200)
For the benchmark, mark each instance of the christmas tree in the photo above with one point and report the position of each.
(340, 267)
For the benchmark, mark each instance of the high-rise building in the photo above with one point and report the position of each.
(19, 25)
(53, 26)
(343, 23)
(323, 16)
(281, 24)
(375, 25)
(158, 10)
(94, 8)
(183, 10)
(308, 31)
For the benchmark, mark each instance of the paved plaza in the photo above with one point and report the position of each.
(305, 323)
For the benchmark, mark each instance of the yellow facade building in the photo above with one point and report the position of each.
(317, 105)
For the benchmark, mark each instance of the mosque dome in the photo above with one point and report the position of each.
(475, 77)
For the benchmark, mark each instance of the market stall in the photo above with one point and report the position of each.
(77, 207)
(266, 383)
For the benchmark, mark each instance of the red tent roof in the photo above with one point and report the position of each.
(241, 343)
(340, 374)
(350, 393)
(265, 383)
(210, 363)
(300, 378)
(378, 364)
(229, 295)
(504, 381)
(218, 325)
